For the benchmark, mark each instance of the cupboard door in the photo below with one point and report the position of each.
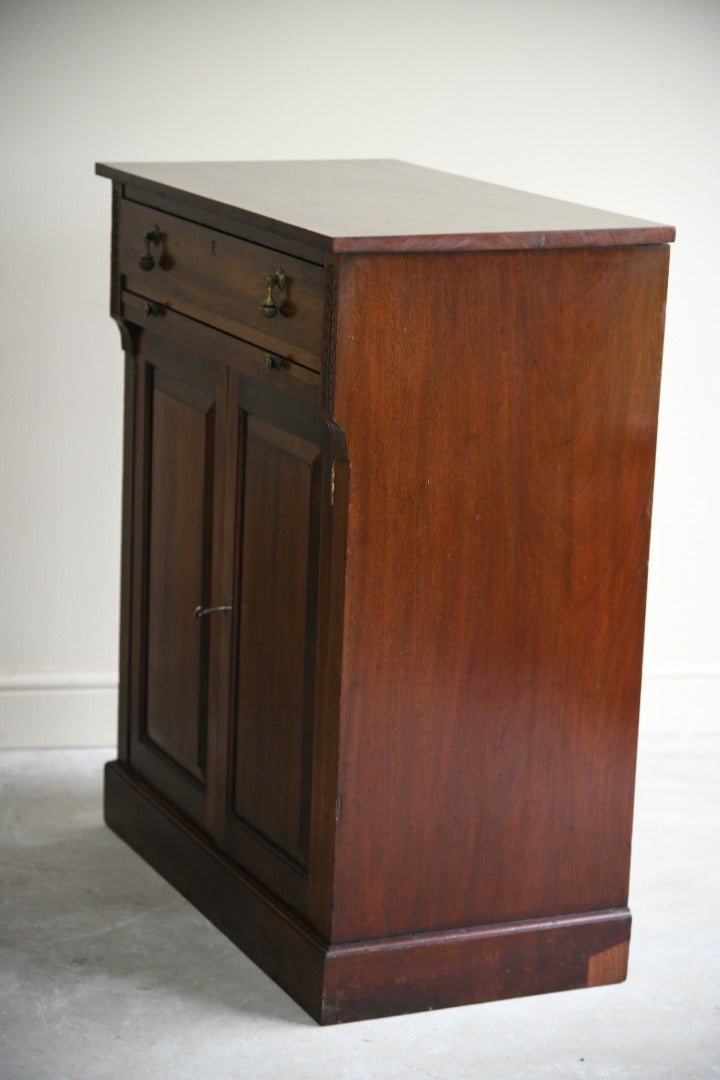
(279, 482)
(179, 456)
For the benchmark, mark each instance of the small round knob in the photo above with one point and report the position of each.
(268, 306)
(272, 362)
(151, 308)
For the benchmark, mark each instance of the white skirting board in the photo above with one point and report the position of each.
(58, 709)
(80, 709)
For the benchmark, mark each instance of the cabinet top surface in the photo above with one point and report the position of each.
(366, 205)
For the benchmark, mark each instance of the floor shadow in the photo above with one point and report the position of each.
(77, 904)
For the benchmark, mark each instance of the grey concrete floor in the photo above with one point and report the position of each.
(106, 972)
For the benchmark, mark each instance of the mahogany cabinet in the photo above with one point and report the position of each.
(388, 469)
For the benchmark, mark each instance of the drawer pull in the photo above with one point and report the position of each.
(200, 612)
(151, 308)
(272, 362)
(276, 281)
(147, 260)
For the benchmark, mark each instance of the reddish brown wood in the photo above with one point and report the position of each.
(365, 206)
(336, 984)
(504, 960)
(180, 430)
(274, 526)
(501, 431)
(294, 380)
(180, 484)
(221, 280)
(400, 772)
(278, 594)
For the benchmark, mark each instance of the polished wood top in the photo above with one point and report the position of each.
(363, 206)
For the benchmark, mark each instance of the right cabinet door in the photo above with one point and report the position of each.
(278, 477)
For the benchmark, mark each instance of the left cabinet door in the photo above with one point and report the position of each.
(177, 506)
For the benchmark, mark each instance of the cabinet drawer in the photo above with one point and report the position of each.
(266, 369)
(222, 281)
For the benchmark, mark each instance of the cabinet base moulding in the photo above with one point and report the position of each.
(366, 979)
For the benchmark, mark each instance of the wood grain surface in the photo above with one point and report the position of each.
(396, 763)
(501, 418)
(382, 206)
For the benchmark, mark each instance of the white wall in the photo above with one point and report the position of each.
(614, 104)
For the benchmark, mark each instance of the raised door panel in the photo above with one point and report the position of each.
(179, 452)
(266, 819)
(276, 647)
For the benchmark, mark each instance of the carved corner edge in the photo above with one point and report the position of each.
(129, 335)
(327, 373)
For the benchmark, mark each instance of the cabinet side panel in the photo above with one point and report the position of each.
(501, 418)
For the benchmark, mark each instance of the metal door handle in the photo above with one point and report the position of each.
(200, 612)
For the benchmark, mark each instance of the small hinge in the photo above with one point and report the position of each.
(332, 484)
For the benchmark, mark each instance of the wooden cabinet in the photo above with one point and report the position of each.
(389, 450)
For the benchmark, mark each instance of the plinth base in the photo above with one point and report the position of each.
(366, 979)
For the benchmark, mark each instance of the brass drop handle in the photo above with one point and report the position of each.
(147, 260)
(200, 612)
(276, 281)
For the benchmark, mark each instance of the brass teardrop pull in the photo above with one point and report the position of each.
(268, 306)
(147, 260)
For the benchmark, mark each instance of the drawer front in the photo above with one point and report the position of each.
(269, 370)
(222, 281)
